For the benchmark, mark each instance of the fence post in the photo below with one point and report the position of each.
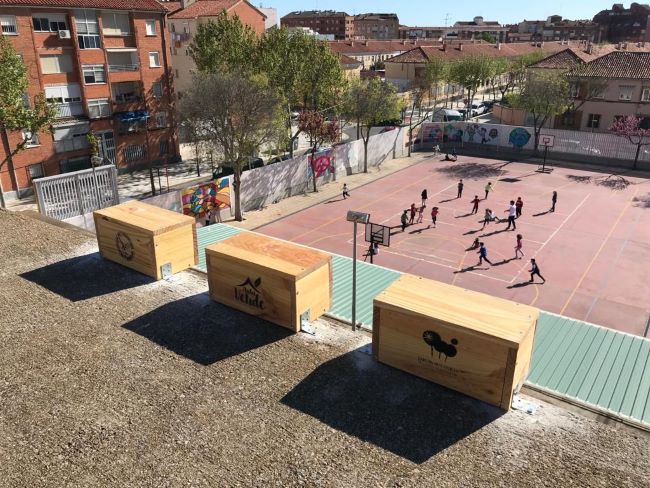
(77, 187)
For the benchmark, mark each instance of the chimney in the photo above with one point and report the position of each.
(365, 43)
(498, 46)
(460, 46)
(618, 46)
(351, 43)
(186, 3)
(444, 46)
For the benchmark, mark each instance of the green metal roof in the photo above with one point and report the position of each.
(601, 368)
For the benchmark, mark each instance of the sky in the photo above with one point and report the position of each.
(434, 12)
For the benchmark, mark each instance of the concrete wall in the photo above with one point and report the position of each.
(263, 186)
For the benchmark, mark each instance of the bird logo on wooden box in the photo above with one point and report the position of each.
(434, 341)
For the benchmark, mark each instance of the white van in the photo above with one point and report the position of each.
(446, 115)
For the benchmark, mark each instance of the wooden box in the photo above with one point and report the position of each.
(269, 278)
(464, 340)
(146, 238)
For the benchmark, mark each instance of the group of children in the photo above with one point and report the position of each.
(419, 211)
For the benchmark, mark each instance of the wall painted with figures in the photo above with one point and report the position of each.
(272, 183)
(593, 147)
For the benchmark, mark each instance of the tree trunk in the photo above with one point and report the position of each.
(365, 152)
(237, 187)
(358, 129)
(313, 167)
(152, 180)
(198, 166)
(5, 142)
(636, 157)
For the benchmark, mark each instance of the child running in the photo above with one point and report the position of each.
(434, 216)
(421, 214)
(487, 218)
(404, 220)
(482, 254)
(413, 212)
(534, 270)
(519, 204)
(476, 201)
(346, 193)
(518, 247)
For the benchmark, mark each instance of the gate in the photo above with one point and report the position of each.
(72, 194)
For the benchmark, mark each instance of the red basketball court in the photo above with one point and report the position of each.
(594, 251)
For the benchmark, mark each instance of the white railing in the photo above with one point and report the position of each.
(71, 109)
(116, 68)
(72, 194)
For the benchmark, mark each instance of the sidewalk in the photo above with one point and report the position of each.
(288, 206)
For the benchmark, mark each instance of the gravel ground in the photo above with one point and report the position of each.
(109, 379)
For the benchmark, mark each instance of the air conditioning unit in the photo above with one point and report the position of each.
(64, 34)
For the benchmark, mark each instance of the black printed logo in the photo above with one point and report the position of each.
(249, 293)
(124, 246)
(434, 341)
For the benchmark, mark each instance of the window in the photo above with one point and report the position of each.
(8, 25)
(150, 27)
(35, 171)
(133, 153)
(625, 92)
(49, 22)
(177, 74)
(99, 107)
(94, 73)
(593, 122)
(596, 92)
(75, 164)
(574, 90)
(57, 63)
(71, 137)
(30, 138)
(116, 24)
(164, 147)
(156, 89)
(645, 95)
(154, 60)
(161, 119)
(87, 29)
(126, 92)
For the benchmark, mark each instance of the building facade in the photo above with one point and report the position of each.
(326, 22)
(183, 24)
(622, 24)
(463, 31)
(555, 28)
(376, 26)
(369, 52)
(106, 66)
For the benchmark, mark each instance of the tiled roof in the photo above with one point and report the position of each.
(208, 8)
(617, 64)
(147, 5)
(423, 54)
(363, 47)
(314, 13)
(171, 6)
(348, 61)
(567, 59)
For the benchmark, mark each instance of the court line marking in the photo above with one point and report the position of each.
(600, 249)
(556, 231)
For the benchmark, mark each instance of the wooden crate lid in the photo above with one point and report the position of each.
(502, 320)
(144, 217)
(284, 258)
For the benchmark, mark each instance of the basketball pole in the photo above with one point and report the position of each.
(354, 279)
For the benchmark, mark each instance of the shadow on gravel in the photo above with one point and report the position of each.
(205, 331)
(84, 277)
(398, 412)
(474, 170)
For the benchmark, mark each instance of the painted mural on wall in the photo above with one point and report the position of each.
(519, 137)
(481, 134)
(197, 200)
(323, 163)
(432, 133)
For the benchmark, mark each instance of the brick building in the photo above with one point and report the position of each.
(340, 24)
(622, 24)
(555, 28)
(184, 21)
(376, 26)
(106, 66)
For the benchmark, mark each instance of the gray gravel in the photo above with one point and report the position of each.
(109, 379)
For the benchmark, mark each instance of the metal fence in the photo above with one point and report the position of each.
(73, 194)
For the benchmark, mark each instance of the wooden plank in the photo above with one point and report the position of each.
(177, 247)
(284, 257)
(144, 217)
(313, 292)
(494, 318)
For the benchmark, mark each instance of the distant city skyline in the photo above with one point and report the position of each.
(422, 13)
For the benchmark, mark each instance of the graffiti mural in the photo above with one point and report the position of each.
(323, 163)
(481, 134)
(519, 137)
(432, 134)
(197, 200)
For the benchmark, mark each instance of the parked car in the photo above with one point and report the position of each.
(226, 169)
(446, 115)
(279, 159)
(387, 129)
(477, 109)
(489, 105)
(393, 122)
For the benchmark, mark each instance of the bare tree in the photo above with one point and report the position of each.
(630, 129)
(319, 131)
(238, 113)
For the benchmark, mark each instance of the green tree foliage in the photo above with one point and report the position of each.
(544, 96)
(470, 73)
(320, 131)
(371, 102)
(16, 112)
(487, 37)
(236, 112)
(225, 44)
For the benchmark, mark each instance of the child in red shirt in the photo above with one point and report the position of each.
(434, 215)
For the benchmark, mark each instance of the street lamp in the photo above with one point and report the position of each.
(356, 218)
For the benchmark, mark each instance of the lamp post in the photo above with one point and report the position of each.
(355, 218)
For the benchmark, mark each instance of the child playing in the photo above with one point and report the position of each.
(518, 247)
(413, 212)
(434, 216)
(421, 214)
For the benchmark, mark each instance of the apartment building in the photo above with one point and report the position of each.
(106, 65)
(340, 24)
(622, 24)
(376, 26)
(555, 28)
(184, 22)
(371, 52)
(461, 31)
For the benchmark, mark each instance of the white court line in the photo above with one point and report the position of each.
(555, 232)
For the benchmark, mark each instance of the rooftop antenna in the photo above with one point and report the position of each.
(447, 18)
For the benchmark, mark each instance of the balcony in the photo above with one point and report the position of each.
(72, 144)
(127, 96)
(123, 64)
(120, 68)
(72, 109)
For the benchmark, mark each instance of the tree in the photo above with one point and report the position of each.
(16, 112)
(238, 113)
(225, 44)
(543, 96)
(371, 102)
(321, 81)
(320, 131)
(487, 37)
(471, 73)
(630, 128)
